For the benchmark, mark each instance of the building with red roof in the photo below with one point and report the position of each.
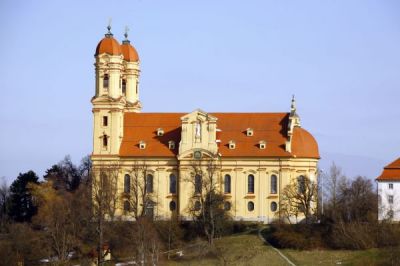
(389, 192)
(255, 155)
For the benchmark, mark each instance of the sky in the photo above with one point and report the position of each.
(341, 59)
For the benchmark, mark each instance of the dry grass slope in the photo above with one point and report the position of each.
(248, 249)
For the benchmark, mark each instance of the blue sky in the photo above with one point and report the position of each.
(340, 58)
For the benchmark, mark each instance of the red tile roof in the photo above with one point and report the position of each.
(270, 127)
(108, 45)
(391, 171)
(129, 52)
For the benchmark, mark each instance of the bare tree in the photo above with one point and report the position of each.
(139, 191)
(4, 195)
(333, 185)
(357, 201)
(139, 202)
(104, 202)
(207, 202)
(55, 216)
(299, 198)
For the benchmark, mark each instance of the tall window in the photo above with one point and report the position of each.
(390, 185)
(105, 141)
(105, 81)
(105, 121)
(250, 184)
(149, 184)
(197, 184)
(274, 184)
(123, 87)
(227, 184)
(172, 184)
(127, 184)
(301, 184)
(390, 199)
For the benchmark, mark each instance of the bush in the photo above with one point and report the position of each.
(354, 235)
(299, 236)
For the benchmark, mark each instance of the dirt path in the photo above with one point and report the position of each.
(275, 249)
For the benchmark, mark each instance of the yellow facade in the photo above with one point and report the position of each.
(120, 140)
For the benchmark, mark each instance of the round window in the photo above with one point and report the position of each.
(227, 206)
(274, 206)
(197, 206)
(172, 205)
(250, 206)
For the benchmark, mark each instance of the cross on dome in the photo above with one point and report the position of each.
(126, 41)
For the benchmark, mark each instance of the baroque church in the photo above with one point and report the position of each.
(257, 154)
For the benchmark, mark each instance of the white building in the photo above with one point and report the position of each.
(389, 192)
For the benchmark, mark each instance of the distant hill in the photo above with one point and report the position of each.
(353, 165)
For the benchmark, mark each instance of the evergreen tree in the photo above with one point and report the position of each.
(21, 208)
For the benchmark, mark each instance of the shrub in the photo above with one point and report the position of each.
(299, 236)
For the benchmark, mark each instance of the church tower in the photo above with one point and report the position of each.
(117, 91)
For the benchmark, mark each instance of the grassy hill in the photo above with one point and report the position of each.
(248, 249)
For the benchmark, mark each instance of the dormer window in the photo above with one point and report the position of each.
(160, 132)
(171, 145)
(142, 145)
(249, 132)
(262, 144)
(105, 81)
(232, 145)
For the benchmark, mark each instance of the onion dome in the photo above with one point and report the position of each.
(128, 51)
(108, 45)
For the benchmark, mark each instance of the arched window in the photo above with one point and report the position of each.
(250, 184)
(197, 205)
(227, 206)
(172, 184)
(172, 205)
(127, 183)
(105, 141)
(105, 81)
(250, 206)
(123, 87)
(274, 206)
(127, 206)
(197, 183)
(301, 184)
(274, 184)
(149, 183)
(227, 184)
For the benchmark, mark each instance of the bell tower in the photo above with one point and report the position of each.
(117, 74)
(130, 75)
